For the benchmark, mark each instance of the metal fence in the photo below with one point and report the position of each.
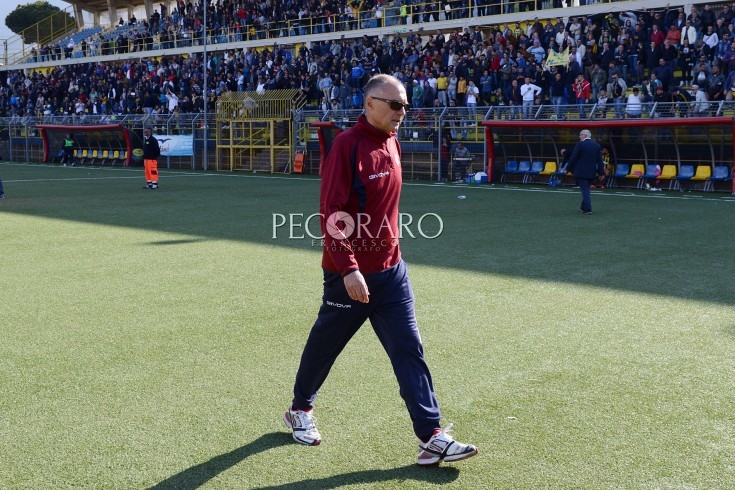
(422, 134)
(20, 138)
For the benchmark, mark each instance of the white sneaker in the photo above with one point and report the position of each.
(441, 447)
(304, 427)
(648, 186)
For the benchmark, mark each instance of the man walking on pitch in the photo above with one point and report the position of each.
(151, 150)
(585, 163)
(365, 277)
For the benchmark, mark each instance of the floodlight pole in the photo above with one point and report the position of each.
(204, 89)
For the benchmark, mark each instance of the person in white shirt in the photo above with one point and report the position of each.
(634, 107)
(471, 98)
(700, 104)
(432, 80)
(529, 92)
(260, 89)
(711, 39)
(173, 100)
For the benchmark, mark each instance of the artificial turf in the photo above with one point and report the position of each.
(150, 338)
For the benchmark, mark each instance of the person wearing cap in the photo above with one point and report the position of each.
(417, 94)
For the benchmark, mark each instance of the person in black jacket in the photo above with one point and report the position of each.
(151, 151)
(585, 162)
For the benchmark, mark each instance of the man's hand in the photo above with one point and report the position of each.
(356, 287)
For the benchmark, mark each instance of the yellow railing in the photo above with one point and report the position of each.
(42, 32)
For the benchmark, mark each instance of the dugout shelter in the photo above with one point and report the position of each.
(705, 145)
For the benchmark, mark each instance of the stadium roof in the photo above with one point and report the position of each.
(116, 8)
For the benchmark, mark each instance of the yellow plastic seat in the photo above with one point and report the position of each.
(549, 168)
(703, 172)
(668, 172)
(637, 170)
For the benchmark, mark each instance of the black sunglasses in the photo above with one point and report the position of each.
(396, 105)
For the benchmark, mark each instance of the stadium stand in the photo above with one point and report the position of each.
(153, 67)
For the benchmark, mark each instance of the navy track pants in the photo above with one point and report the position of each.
(391, 313)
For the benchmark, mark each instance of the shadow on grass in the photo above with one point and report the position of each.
(633, 242)
(435, 475)
(198, 475)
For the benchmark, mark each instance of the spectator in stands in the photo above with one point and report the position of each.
(680, 99)
(598, 79)
(664, 74)
(151, 151)
(529, 92)
(700, 105)
(662, 98)
(634, 105)
(716, 85)
(710, 39)
(601, 103)
(557, 90)
(463, 54)
(617, 89)
(582, 93)
(514, 99)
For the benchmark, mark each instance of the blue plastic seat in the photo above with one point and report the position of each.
(621, 171)
(511, 167)
(536, 168)
(721, 173)
(652, 172)
(523, 167)
(686, 172)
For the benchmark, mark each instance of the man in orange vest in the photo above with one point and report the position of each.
(151, 151)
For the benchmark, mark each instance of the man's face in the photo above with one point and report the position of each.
(379, 112)
(147, 133)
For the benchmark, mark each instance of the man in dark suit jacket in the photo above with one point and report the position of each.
(585, 163)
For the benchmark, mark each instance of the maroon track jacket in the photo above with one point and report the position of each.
(362, 178)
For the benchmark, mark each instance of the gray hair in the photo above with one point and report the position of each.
(378, 82)
(586, 133)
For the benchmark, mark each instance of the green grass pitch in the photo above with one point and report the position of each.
(150, 338)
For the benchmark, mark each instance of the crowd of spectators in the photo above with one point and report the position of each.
(657, 52)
